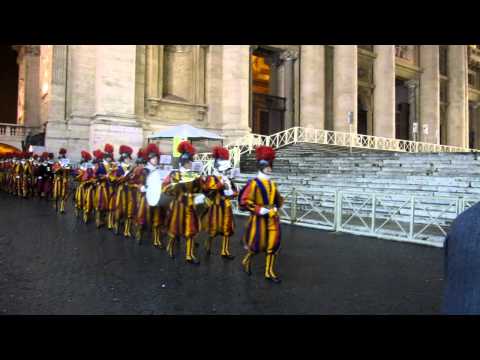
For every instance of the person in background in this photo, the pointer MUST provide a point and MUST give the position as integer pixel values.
(462, 265)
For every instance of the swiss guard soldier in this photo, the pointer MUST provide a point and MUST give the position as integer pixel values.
(185, 187)
(133, 187)
(90, 185)
(27, 174)
(61, 171)
(150, 214)
(219, 189)
(33, 181)
(136, 185)
(17, 172)
(156, 212)
(45, 175)
(121, 195)
(83, 174)
(11, 178)
(101, 188)
(111, 169)
(261, 198)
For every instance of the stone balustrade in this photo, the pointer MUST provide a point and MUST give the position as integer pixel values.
(13, 134)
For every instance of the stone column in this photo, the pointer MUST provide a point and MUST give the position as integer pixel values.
(236, 89)
(430, 94)
(312, 86)
(28, 61)
(384, 93)
(58, 91)
(345, 87)
(412, 86)
(457, 124)
(32, 86)
(115, 121)
(57, 128)
(289, 57)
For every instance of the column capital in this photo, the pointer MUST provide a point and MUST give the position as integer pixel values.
(289, 55)
(412, 83)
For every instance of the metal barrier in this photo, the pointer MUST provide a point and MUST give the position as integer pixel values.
(414, 219)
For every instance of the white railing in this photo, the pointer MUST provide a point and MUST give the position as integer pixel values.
(296, 135)
(13, 130)
(415, 219)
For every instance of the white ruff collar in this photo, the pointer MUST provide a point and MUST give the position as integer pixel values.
(151, 167)
(263, 176)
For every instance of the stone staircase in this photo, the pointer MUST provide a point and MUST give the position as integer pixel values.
(317, 172)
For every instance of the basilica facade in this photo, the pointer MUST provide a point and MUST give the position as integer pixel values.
(82, 96)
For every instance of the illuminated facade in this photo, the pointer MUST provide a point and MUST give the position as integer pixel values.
(86, 95)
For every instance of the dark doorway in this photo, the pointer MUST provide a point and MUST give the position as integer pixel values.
(268, 109)
(472, 126)
(362, 118)
(8, 84)
(402, 115)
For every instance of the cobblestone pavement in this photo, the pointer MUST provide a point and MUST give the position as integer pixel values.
(53, 264)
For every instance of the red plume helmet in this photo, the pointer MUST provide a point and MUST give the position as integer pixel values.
(186, 148)
(124, 149)
(220, 153)
(108, 149)
(265, 154)
(86, 155)
(141, 154)
(98, 154)
(152, 150)
(62, 151)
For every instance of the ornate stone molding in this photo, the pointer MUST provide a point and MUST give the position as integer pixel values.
(152, 107)
(33, 50)
(178, 48)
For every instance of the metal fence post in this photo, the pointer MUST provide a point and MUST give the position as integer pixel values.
(412, 217)
(293, 215)
(338, 210)
(374, 208)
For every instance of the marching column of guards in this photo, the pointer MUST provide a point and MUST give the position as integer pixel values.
(114, 194)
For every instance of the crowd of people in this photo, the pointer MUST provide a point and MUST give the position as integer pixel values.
(113, 194)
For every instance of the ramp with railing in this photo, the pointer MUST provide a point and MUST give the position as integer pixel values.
(387, 188)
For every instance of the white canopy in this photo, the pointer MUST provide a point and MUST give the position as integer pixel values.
(185, 132)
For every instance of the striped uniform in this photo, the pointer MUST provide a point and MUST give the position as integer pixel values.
(263, 232)
(182, 219)
(121, 196)
(218, 220)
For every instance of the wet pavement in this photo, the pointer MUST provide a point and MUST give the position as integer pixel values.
(53, 264)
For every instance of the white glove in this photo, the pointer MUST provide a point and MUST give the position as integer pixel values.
(264, 211)
(18, 177)
(143, 189)
(39, 178)
(228, 192)
(199, 199)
